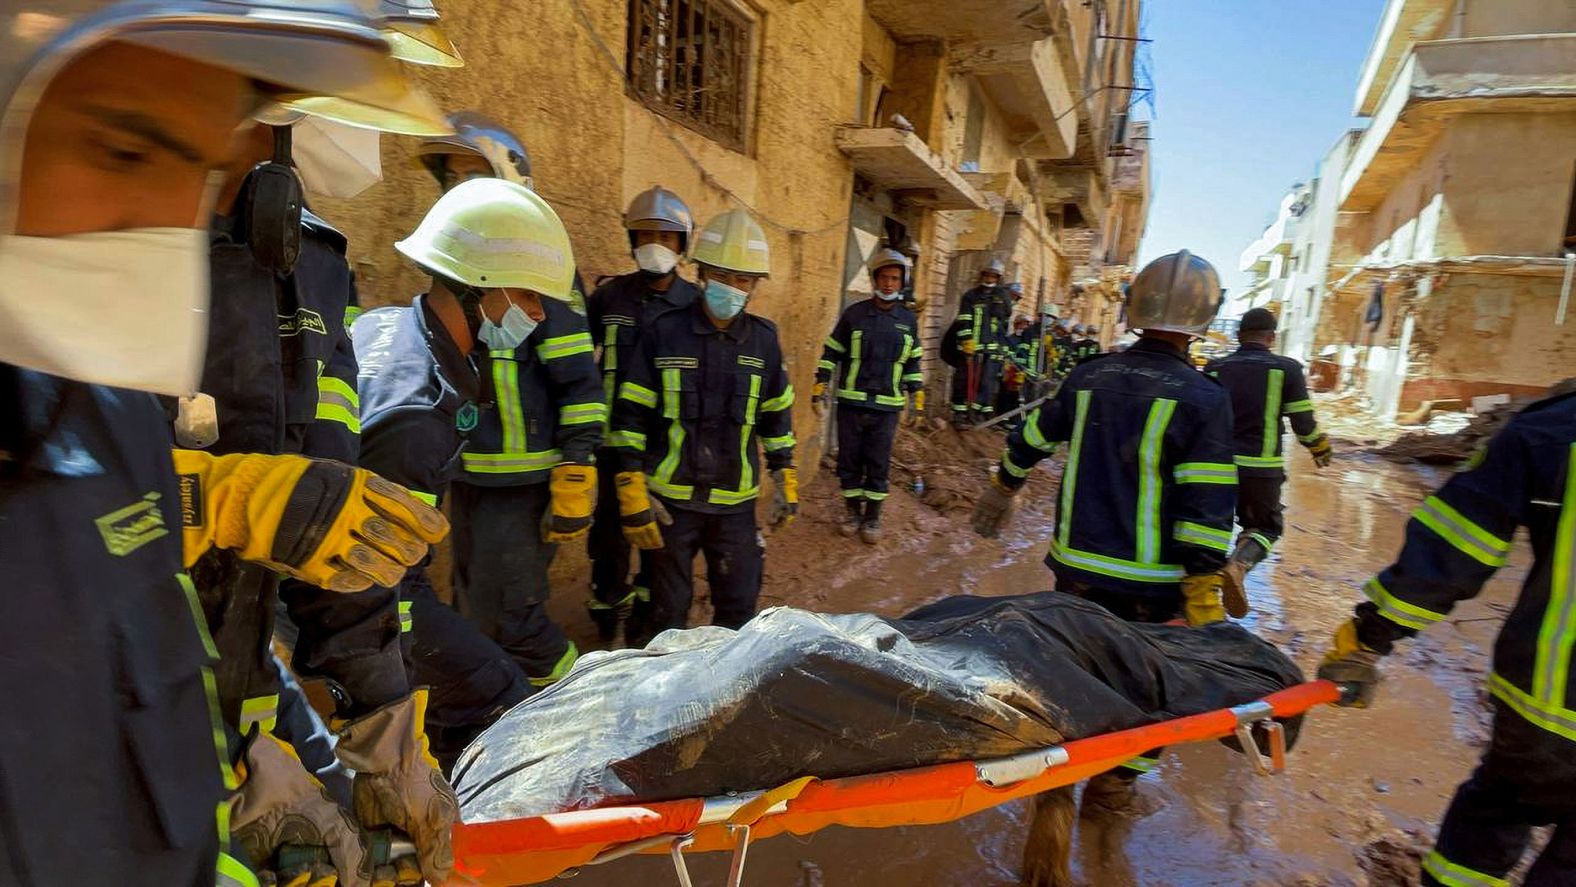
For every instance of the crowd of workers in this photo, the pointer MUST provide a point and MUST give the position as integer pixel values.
(303, 449)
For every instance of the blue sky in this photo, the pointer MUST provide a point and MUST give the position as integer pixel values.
(1249, 96)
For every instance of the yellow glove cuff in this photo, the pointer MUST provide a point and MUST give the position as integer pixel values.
(790, 482)
(919, 401)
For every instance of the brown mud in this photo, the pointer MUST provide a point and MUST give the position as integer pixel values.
(1363, 791)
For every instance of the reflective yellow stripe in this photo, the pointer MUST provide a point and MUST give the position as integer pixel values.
(1198, 534)
(1272, 414)
(1297, 406)
(1556, 719)
(230, 872)
(510, 463)
(1260, 461)
(351, 313)
(1551, 674)
(633, 440)
(1064, 513)
(672, 393)
(896, 394)
(1312, 436)
(780, 402)
(560, 668)
(560, 347)
(746, 431)
(338, 402)
(638, 394)
(661, 481)
(1398, 611)
(405, 619)
(511, 413)
(855, 359)
(1032, 434)
(1148, 523)
(1115, 567)
(260, 710)
(826, 365)
(1142, 764)
(428, 498)
(835, 345)
(773, 444)
(733, 497)
(1452, 875)
(582, 414)
(1462, 534)
(1012, 467)
(198, 619)
(1205, 473)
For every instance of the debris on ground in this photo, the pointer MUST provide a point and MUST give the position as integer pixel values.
(1452, 437)
(1394, 860)
(951, 462)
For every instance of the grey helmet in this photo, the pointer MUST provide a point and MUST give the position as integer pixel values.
(1094, 329)
(1178, 293)
(1079, 329)
(476, 133)
(313, 49)
(886, 257)
(996, 267)
(411, 28)
(658, 209)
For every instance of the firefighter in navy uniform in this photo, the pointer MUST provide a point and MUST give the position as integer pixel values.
(1143, 522)
(983, 316)
(529, 456)
(422, 374)
(659, 226)
(873, 356)
(116, 757)
(1455, 541)
(1267, 389)
(706, 390)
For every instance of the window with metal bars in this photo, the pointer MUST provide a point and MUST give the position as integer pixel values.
(689, 61)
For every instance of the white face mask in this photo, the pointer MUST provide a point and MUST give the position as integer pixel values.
(335, 159)
(885, 296)
(654, 258)
(127, 309)
(515, 328)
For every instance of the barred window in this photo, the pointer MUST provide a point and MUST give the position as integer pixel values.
(688, 60)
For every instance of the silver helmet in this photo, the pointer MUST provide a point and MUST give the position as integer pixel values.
(1178, 293)
(305, 49)
(658, 209)
(996, 267)
(476, 133)
(887, 257)
(411, 28)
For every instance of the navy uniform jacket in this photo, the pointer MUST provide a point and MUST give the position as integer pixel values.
(874, 354)
(110, 768)
(619, 310)
(1149, 490)
(548, 404)
(987, 318)
(282, 372)
(696, 400)
(1266, 389)
(1458, 538)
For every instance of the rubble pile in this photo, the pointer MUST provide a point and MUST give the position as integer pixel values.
(1444, 441)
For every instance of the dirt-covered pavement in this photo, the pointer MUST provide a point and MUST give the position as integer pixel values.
(1363, 790)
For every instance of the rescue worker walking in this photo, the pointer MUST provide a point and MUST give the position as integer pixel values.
(1143, 522)
(1266, 390)
(659, 225)
(103, 291)
(530, 477)
(1457, 539)
(871, 359)
(706, 389)
(983, 315)
(1085, 346)
(422, 382)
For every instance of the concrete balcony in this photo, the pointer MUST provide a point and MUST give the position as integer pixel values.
(900, 162)
(1444, 78)
(965, 21)
(1025, 81)
(1082, 186)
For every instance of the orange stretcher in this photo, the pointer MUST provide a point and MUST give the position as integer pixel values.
(539, 848)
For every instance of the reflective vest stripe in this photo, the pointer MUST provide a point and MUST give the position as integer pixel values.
(560, 347)
(1272, 412)
(1012, 467)
(773, 444)
(511, 413)
(1064, 513)
(1147, 523)
(835, 345)
(338, 402)
(638, 394)
(855, 359)
(406, 621)
(780, 402)
(1032, 434)
(662, 480)
(1202, 536)
(1205, 473)
(1260, 461)
(1462, 534)
(633, 440)
(1398, 611)
(1550, 679)
(510, 463)
(1115, 567)
(260, 710)
(1558, 720)
(428, 498)
(582, 414)
(1452, 874)
(1297, 406)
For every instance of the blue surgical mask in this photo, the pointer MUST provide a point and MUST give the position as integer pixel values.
(723, 301)
(507, 336)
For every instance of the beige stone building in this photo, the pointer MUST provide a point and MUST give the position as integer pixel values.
(1448, 254)
(965, 129)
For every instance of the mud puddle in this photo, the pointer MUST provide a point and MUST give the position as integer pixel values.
(1363, 791)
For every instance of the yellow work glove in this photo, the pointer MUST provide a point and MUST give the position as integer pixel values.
(398, 782)
(1352, 666)
(1320, 451)
(1202, 599)
(993, 508)
(968, 347)
(323, 522)
(282, 810)
(573, 488)
(818, 399)
(639, 512)
(785, 496)
(916, 407)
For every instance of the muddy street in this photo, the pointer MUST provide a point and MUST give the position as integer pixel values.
(1363, 790)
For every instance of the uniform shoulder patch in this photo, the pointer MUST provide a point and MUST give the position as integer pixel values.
(747, 360)
(127, 529)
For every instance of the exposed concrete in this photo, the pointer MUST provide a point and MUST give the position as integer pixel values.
(1025, 81)
(900, 161)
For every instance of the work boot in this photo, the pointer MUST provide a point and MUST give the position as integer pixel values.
(854, 518)
(1111, 797)
(870, 529)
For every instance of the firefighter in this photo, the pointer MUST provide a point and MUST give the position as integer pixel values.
(118, 766)
(1018, 373)
(532, 453)
(1085, 346)
(1266, 389)
(1062, 339)
(1457, 539)
(422, 374)
(873, 354)
(659, 225)
(706, 388)
(983, 315)
(1143, 523)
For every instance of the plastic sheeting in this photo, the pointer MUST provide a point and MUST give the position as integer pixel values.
(707, 711)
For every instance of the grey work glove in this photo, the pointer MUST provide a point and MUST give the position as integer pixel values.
(993, 509)
(398, 782)
(281, 805)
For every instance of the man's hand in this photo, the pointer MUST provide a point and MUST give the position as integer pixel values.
(785, 497)
(573, 490)
(1320, 451)
(916, 407)
(323, 522)
(968, 347)
(994, 508)
(281, 805)
(1352, 666)
(818, 399)
(1203, 600)
(639, 512)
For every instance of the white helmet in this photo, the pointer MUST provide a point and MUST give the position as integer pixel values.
(489, 234)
